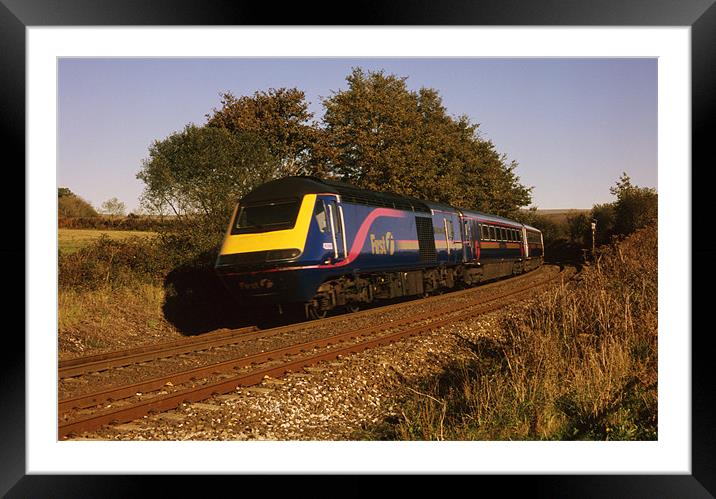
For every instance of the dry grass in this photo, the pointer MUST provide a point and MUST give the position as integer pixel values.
(580, 363)
(90, 321)
(71, 240)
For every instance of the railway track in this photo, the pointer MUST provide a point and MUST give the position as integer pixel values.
(96, 363)
(117, 404)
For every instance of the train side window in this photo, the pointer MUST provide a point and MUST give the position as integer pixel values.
(320, 215)
(502, 234)
(514, 234)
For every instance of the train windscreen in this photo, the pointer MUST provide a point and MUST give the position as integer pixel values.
(266, 217)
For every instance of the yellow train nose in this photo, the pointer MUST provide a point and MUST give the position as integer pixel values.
(279, 244)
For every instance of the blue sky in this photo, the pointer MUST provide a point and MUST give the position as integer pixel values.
(573, 125)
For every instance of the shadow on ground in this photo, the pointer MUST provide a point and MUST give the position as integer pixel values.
(196, 302)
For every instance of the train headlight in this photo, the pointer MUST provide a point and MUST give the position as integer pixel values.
(284, 254)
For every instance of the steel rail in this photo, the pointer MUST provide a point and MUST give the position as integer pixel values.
(77, 361)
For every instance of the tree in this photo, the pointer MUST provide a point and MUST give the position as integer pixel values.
(580, 229)
(604, 214)
(279, 117)
(114, 207)
(551, 231)
(635, 206)
(199, 173)
(71, 205)
(379, 135)
(64, 191)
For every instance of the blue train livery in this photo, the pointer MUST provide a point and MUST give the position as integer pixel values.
(328, 245)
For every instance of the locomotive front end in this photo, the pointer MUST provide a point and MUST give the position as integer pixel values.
(263, 244)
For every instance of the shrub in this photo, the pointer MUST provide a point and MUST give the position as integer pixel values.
(74, 206)
(636, 207)
(114, 263)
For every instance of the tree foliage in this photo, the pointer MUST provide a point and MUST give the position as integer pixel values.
(64, 191)
(378, 134)
(70, 205)
(635, 206)
(280, 117)
(114, 207)
(551, 230)
(605, 216)
(199, 173)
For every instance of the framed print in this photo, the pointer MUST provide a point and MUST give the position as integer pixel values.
(678, 37)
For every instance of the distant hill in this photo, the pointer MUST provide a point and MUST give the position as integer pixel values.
(561, 215)
(565, 211)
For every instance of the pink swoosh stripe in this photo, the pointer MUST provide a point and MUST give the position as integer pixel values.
(363, 232)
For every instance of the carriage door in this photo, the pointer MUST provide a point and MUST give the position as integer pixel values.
(450, 240)
(336, 226)
(467, 240)
(475, 241)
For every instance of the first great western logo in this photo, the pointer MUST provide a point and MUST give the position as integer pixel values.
(382, 245)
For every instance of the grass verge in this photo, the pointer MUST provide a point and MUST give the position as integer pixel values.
(91, 321)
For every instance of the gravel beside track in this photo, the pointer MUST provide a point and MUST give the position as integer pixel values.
(333, 400)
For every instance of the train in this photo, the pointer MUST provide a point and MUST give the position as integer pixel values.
(324, 246)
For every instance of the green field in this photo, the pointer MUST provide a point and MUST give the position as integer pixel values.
(71, 240)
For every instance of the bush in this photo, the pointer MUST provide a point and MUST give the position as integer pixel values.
(74, 206)
(636, 207)
(113, 263)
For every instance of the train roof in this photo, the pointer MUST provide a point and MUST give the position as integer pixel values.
(299, 186)
(291, 187)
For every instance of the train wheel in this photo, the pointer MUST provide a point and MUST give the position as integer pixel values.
(352, 307)
(312, 312)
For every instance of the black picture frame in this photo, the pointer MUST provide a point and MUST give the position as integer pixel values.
(16, 15)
